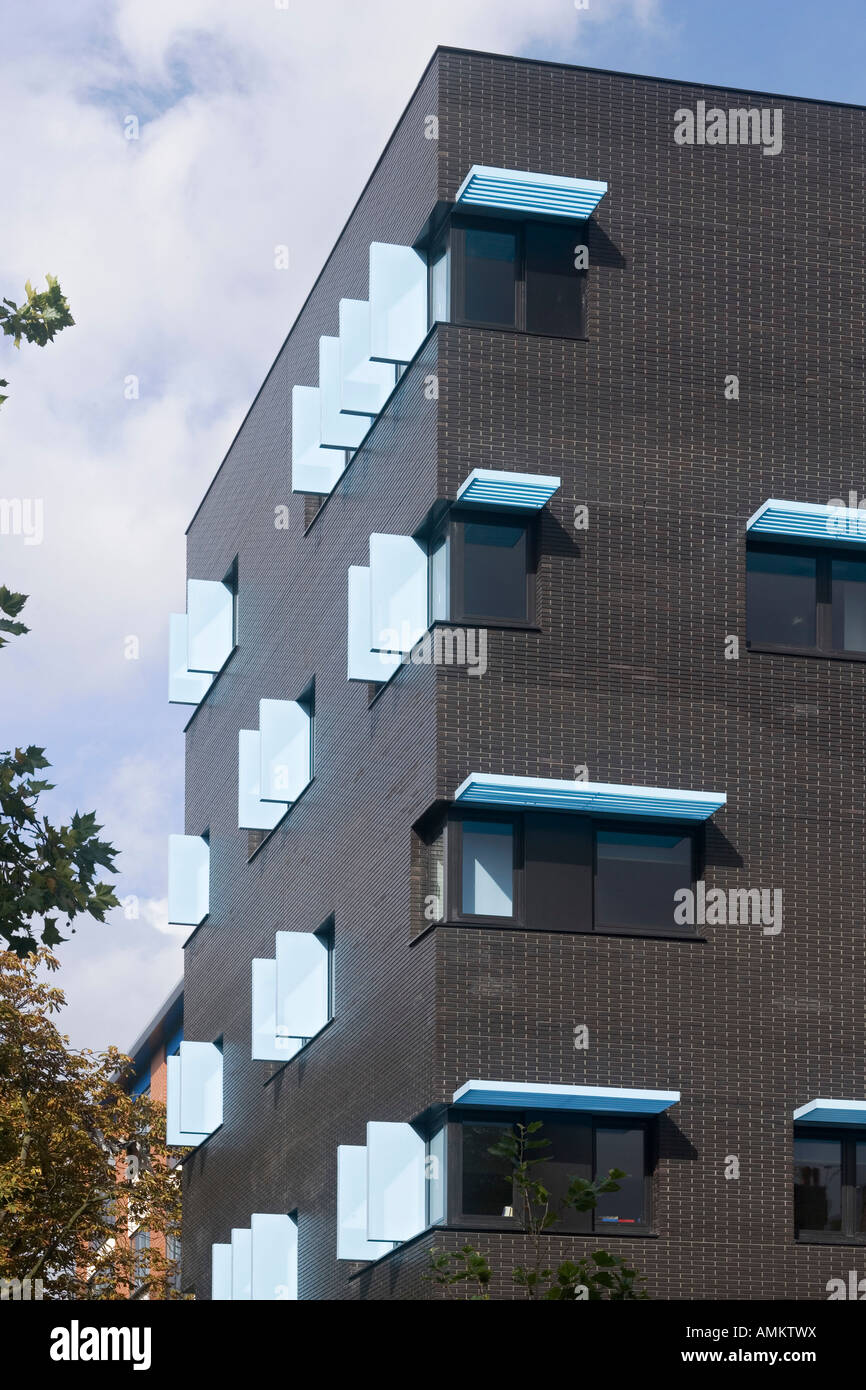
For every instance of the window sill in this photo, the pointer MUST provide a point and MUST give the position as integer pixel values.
(514, 329)
(772, 650)
(500, 624)
(280, 1067)
(830, 1238)
(508, 924)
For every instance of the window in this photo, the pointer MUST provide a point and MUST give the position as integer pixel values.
(830, 1185)
(806, 600)
(482, 571)
(511, 274)
(552, 871)
(173, 1253)
(578, 1146)
(637, 873)
(141, 1266)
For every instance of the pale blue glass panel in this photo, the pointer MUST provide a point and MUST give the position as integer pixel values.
(352, 1242)
(436, 1173)
(336, 430)
(188, 879)
(285, 731)
(266, 1046)
(303, 971)
(364, 385)
(364, 664)
(221, 1272)
(314, 469)
(398, 592)
(242, 1263)
(185, 687)
(440, 582)
(488, 869)
(440, 289)
(396, 1196)
(398, 302)
(274, 1257)
(174, 1135)
(201, 1087)
(253, 813)
(210, 624)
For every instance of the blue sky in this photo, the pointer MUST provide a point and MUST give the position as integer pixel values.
(165, 247)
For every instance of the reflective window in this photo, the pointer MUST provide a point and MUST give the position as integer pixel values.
(488, 1188)
(637, 876)
(490, 271)
(621, 1146)
(849, 605)
(488, 869)
(781, 594)
(494, 571)
(554, 288)
(818, 1184)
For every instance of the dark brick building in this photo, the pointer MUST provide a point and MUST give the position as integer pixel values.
(709, 358)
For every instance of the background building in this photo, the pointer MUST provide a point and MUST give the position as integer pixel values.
(439, 896)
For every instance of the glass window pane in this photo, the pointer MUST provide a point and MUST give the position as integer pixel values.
(818, 1184)
(488, 869)
(440, 289)
(637, 875)
(494, 571)
(860, 1186)
(554, 289)
(487, 1180)
(440, 601)
(781, 597)
(490, 271)
(849, 605)
(621, 1146)
(435, 1176)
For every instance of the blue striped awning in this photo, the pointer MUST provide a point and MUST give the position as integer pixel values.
(599, 1100)
(599, 798)
(808, 521)
(543, 195)
(489, 487)
(831, 1112)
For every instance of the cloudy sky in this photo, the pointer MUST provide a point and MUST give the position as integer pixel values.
(164, 245)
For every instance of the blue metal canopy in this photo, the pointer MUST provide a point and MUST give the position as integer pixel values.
(527, 1095)
(831, 1112)
(808, 521)
(599, 798)
(544, 195)
(490, 487)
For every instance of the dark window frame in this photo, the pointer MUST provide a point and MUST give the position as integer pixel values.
(454, 866)
(523, 917)
(823, 555)
(453, 530)
(454, 241)
(688, 829)
(848, 1138)
(459, 1219)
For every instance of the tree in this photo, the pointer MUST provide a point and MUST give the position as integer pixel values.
(48, 873)
(597, 1276)
(81, 1161)
(43, 314)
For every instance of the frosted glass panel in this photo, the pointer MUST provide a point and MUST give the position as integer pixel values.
(488, 869)
(201, 1087)
(266, 1046)
(352, 1242)
(242, 1264)
(396, 1198)
(337, 431)
(253, 813)
(364, 664)
(174, 1135)
(188, 879)
(314, 469)
(284, 726)
(398, 302)
(185, 687)
(398, 592)
(221, 1272)
(302, 984)
(210, 610)
(274, 1257)
(364, 385)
